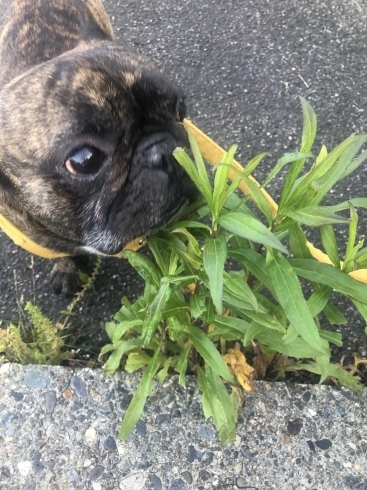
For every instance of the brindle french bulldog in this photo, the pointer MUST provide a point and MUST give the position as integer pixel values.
(87, 130)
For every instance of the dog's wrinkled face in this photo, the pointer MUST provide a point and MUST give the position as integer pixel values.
(87, 141)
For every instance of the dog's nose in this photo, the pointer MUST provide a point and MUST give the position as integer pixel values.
(159, 154)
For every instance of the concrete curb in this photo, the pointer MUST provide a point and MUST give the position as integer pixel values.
(58, 430)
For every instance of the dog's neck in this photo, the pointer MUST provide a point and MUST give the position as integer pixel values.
(47, 28)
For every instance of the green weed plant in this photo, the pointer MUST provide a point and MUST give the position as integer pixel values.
(193, 308)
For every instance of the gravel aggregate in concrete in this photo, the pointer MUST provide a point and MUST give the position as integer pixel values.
(288, 436)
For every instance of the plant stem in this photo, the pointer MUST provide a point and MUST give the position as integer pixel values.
(163, 336)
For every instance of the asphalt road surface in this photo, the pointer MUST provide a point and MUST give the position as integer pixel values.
(242, 65)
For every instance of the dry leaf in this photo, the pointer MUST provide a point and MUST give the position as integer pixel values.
(261, 362)
(237, 364)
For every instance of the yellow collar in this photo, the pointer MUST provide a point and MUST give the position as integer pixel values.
(213, 153)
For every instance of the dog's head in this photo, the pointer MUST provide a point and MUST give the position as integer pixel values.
(86, 143)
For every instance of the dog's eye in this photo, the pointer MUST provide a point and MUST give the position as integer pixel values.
(85, 161)
(181, 110)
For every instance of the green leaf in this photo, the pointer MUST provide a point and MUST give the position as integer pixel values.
(318, 300)
(136, 360)
(259, 198)
(193, 245)
(334, 316)
(202, 184)
(308, 137)
(218, 404)
(214, 257)
(158, 254)
(181, 365)
(187, 224)
(298, 242)
(264, 319)
(339, 170)
(110, 329)
(359, 202)
(84, 278)
(162, 374)
(255, 263)
(300, 186)
(361, 262)
(309, 125)
(253, 163)
(121, 348)
(350, 251)
(232, 325)
(288, 158)
(208, 352)
(299, 349)
(220, 180)
(252, 332)
(344, 378)
(154, 313)
(250, 228)
(124, 326)
(178, 282)
(290, 336)
(290, 296)
(323, 363)
(333, 337)
(174, 307)
(136, 407)
(330, 245)
(197, 305)
(145, 267)
(331, 276)
(322, 155)
(361, 307)
(238, 286)
(315, 216)
(200, 166)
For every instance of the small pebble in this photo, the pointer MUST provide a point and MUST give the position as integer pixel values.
(324, 444)
(204, 475)
(133, 482)
(110, 444)
(311, 445)
(36, 379)
(207, 433)
(79, 387)
(155, 482)
(188, 477)
(141, 428)
(163, 419)
(294, 427)
(177, 484)
(351, 481)
(76, 406)
(241, 482)
(67, 394)
(30, 485)
(155, 438)
(50, 401)
(306, 396)
(90, 435)
(24, 467)
(191, 454)
(16, 395)
(73, 476)
(96, 473)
